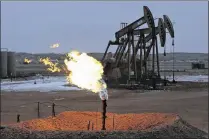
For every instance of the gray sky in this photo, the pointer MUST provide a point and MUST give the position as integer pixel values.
(88, 26)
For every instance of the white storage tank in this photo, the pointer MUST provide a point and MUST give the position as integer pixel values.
(3, 64)
(11, 64)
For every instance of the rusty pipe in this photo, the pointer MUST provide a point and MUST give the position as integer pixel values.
(104, 106)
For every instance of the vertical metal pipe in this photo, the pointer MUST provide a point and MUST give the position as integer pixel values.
(165, 82)
(129, 47)
(173, 60)
(104, 106)
(134, 57)
(141, 45)
(153, 65)
(157, 58)
(153, 59)
(144, 62)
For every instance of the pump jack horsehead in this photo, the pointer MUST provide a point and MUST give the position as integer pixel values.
(127, 49)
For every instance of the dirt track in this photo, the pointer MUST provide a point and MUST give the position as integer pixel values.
(191, 105)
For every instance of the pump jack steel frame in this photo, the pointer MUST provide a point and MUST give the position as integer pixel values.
(128, 50)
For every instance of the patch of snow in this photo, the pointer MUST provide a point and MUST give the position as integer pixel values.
(200, 78)
(42, 85)
(59, 99)
(58, 83)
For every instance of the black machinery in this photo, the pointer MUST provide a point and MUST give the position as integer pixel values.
(128, 65)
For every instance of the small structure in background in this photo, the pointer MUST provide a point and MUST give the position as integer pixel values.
(4, 62)
(8, 63)
(198, 65)
(11, 64)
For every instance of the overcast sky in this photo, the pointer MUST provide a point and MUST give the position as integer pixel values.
(88, 26)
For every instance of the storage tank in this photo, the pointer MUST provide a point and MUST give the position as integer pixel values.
(3, 64)
(11, 64)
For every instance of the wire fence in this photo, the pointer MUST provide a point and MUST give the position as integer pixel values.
(34, 110)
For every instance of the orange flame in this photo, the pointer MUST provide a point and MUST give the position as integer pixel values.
(52, 66)
(85, 71)
(27, 61)
(55, 45)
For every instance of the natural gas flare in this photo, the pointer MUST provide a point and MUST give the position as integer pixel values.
(52, 66)
(83, 71)
(55, 45)
(86, 72)
(26, 60)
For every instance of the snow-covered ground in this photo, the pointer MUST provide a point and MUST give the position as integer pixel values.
(200, 78)
(42, 85)
(58, 83)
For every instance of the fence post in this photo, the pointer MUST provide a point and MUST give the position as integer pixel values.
(88, 126)
(11, 77)
(92, 126)
(38, 110)
(18, 118)
(113, 122)
(53, 110)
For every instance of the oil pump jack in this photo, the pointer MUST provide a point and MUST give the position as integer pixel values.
(134, 72)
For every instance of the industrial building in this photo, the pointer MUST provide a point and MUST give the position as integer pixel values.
(8, 63)
(12, 66)
(199, 65)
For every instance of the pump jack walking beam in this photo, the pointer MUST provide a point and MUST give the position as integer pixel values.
(147, 18)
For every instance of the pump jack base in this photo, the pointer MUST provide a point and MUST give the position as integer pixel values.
(174, 81)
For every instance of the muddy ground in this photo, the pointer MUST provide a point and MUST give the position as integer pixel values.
(188, 100)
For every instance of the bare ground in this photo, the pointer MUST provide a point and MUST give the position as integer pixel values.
(178, 130)
(190, 102)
